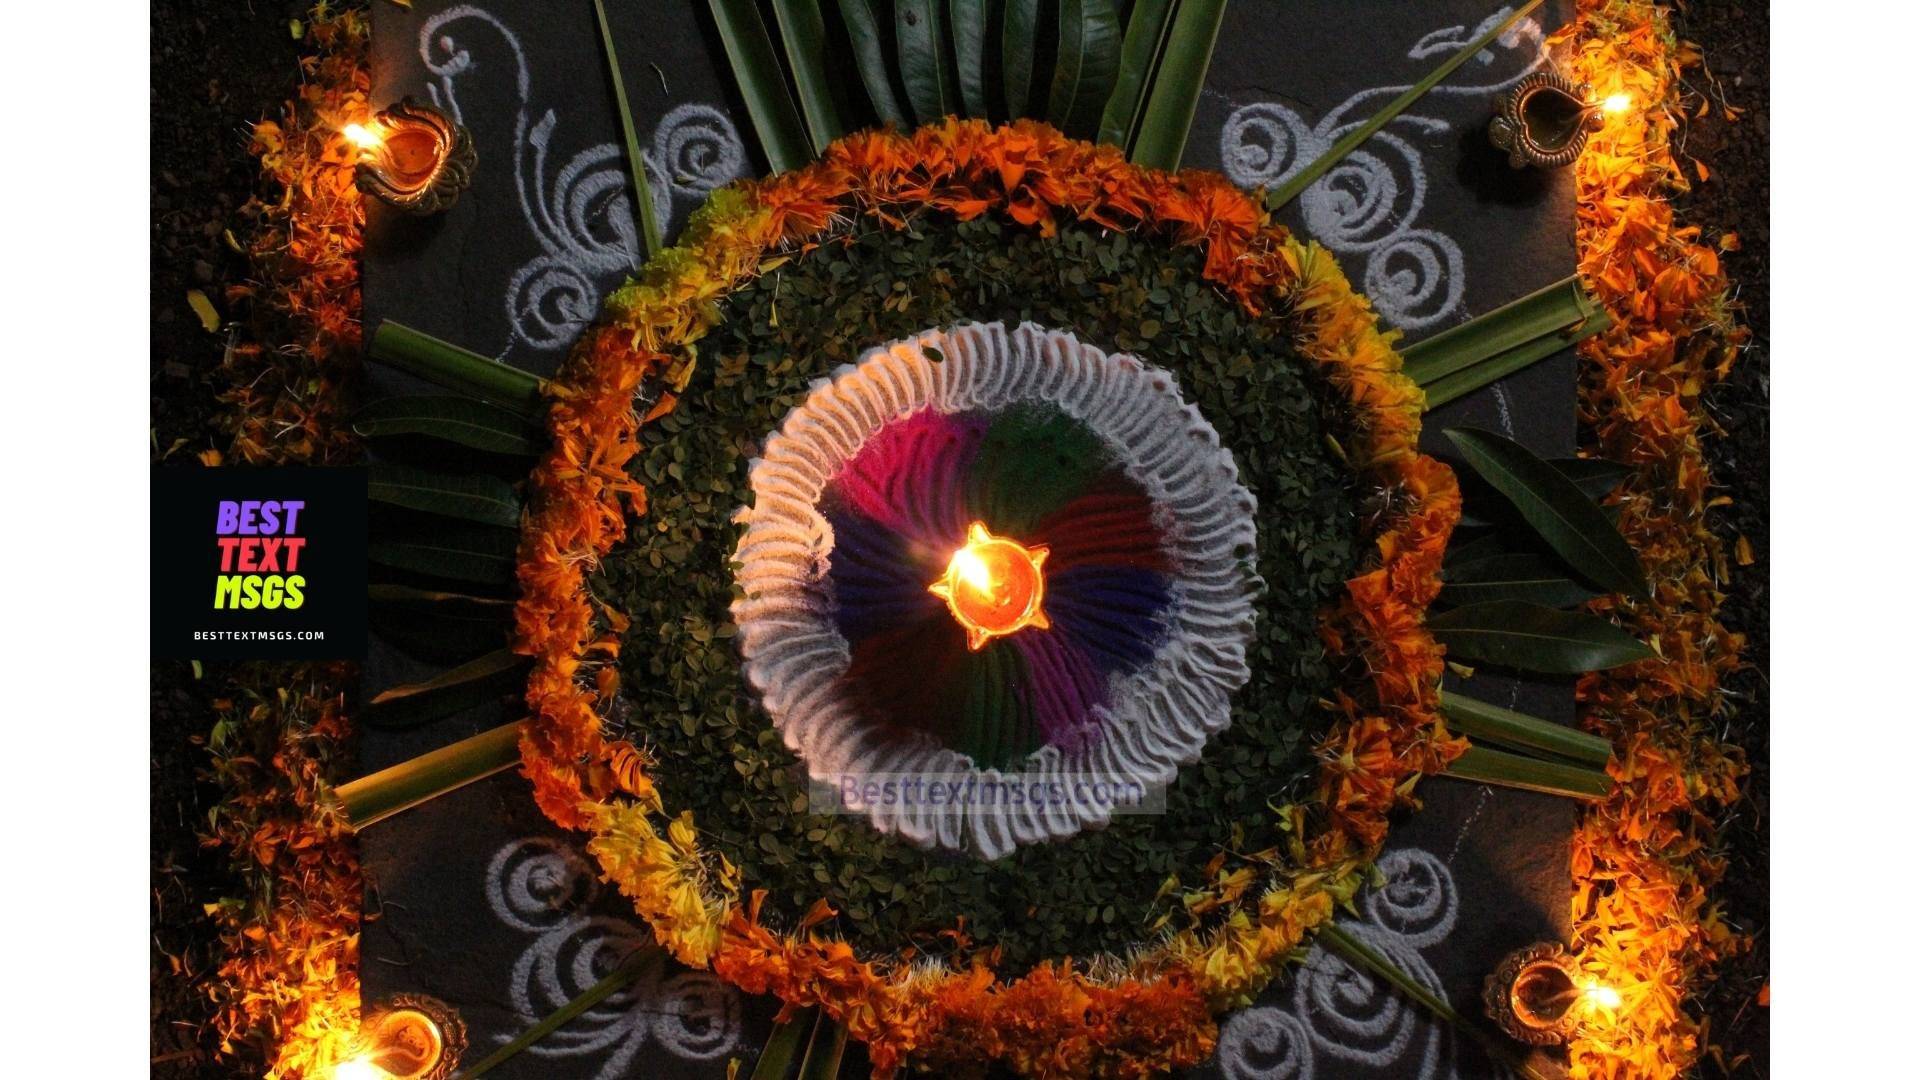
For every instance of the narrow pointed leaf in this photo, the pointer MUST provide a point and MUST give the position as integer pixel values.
(461, 420)
(1485, 766)
(756, 68)
(1556, 508)
(1088, 62)
(926, 67)
(1595, 476)
(803, 33)
(473, 683)
(776, 1060)
(636, 158)
(1350, 142)
(1140, 54)
(1019, 37)
(1532, 578)
(1487, 372)
(970, 35)
(630, 968)
(1542, 313)
(1527, 734)
(488, 500)
(378, 796)
(407, 594)
(1175, 93)
(871, 55)
(824, 1050)
(1534, 638)
(464, 553)
(455, 368)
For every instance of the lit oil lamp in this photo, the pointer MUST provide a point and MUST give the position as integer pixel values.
(413, 156)
(1537, 995)
(993, 586)
(408, 1037)
(1546, 119)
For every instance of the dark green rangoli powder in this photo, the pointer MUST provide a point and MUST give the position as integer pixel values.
(719, 754)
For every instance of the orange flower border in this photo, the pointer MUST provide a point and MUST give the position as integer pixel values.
(1138, 1016)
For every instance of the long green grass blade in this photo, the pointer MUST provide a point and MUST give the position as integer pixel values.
(756, 67)
(970, 24)
(803, 33)
(463, 421)
(1175, 93)
(870, 55)
(1490, 371)
(379, 796)
(464, 553)
(1019, 37)
(473, 683)
(776, 1059)
(1485, 766)
(476, 497)
(1529, 637)
(1088, 62)
(1550, 312)
(1352, 140)
(630, 968)
(1139, 59)
(1484, 720)
(824, 1050)
(455, 368)
(926, 67)
(636, 160)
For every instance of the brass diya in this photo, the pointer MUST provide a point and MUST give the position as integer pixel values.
(414, 1037)
(1533, 993)
(415, 157)
(1544, 121)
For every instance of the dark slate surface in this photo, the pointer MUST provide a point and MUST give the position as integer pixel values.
(478, 900)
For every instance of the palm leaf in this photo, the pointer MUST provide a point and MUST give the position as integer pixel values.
(1139, 59)
(1088, 62)
(1515, 634)
(1517, 576)
(1555, 507)
(803, 32)
(464, 421)
(1483, 720)
(456, 690)
(488, 500)
(925, 65)
(1351, 141)
(636, 159)
(453, 367)
(970, 22)
(1485, 766)
(1175, 94)
(378, 796)
(1019, 35)
(463, 553)
(870, 54)
(756, 68)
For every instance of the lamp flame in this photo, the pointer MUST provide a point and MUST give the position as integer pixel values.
(359, 1068)
(1617, 104)
(361, 136)
(1605, 997)
(993, 586)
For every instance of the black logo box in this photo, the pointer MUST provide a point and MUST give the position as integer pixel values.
(186, 565)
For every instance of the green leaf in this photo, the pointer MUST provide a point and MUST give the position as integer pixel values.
(756, 68)
(1483, 720)
(464, 553)
(1485, 766)
(456, 690)
(455, 368)
(970, 22)
(461, 420)
(1461, 359)
(488, 500)
(1512, 577)
(1088, 62)
(824, 1050)
(1534, 638)
(1019, 36)
(407, 594)
(1557, 509)
(1140, 55)
(630, 968)
(1595, 476)
(1177, 83)
(925, 65)
(636, 159)
(776, 1060)
(379, 796)
(870, 54)
(803, 32)
(1351, 141)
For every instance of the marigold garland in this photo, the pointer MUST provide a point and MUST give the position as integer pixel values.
(1645, 858)
(1152, 1011)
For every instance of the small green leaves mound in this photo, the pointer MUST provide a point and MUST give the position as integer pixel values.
(718, 753)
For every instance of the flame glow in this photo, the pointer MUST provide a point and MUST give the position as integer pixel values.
(361, 136)
(359, 1068)
(1617, 104)
(1605, 997)
(993, 586)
